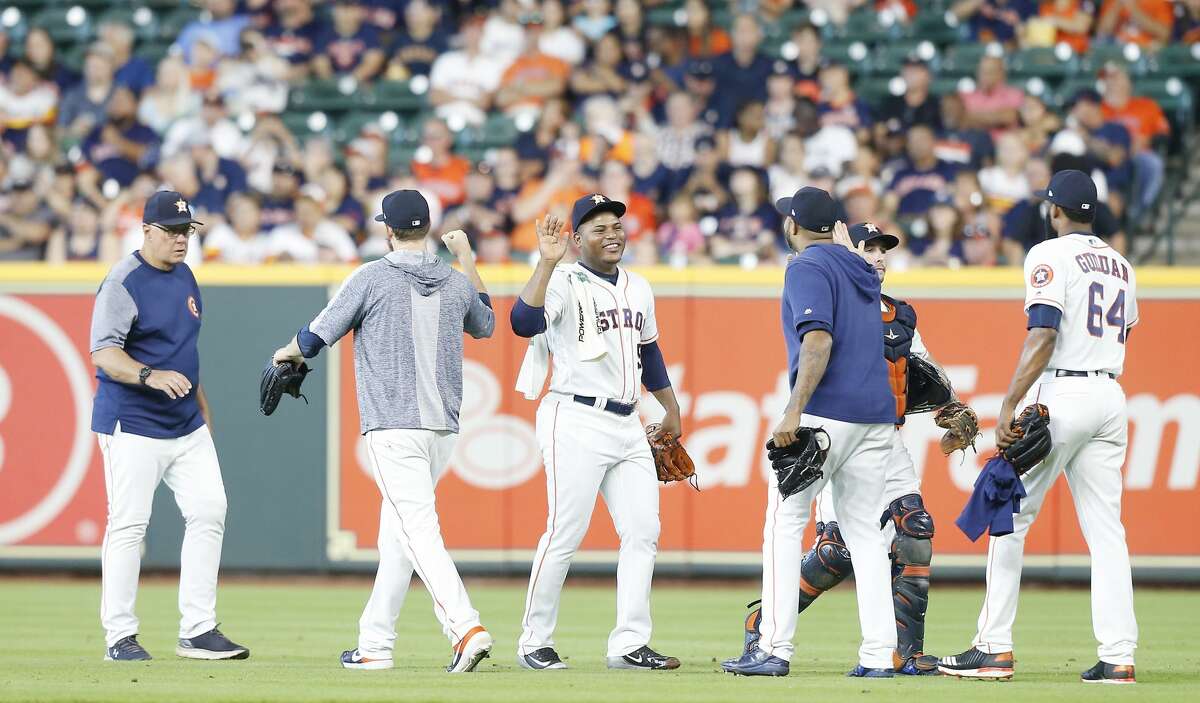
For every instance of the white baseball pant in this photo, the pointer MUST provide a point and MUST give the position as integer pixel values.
(588, 451)
(1089, 428)
(901, 480)
(858, 454)
(133, 468)
(407, 465)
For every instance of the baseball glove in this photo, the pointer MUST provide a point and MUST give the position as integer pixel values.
(798, 465)
(961, 425)
(278, 379)
(1033, 428)
(670, 458)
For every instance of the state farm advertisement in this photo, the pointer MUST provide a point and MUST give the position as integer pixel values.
(726, 359)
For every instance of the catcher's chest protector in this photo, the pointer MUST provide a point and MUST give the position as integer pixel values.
(899, 327)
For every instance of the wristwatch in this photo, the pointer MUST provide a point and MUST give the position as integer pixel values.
(144, 374)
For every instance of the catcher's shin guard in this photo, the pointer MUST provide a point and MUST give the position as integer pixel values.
(825, 565)
(912, 550)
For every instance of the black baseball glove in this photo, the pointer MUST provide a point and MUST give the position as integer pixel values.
(798, 465)
(1033, 428)
(278, 379)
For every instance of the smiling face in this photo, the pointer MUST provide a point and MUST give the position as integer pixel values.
(601, 241)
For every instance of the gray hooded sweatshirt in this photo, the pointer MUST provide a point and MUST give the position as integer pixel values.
(408, 311)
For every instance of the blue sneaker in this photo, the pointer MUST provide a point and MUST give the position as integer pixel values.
(919, 665)
(757, 663)
(862, 672)
(127, 649)
(211, 645)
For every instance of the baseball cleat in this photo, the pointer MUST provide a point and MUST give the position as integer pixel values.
(1104, 672)
(643, 659)
(353, 659)
(919, 665)
(540, 659)
(127, 649)
(473, 648)
(750, 634)
(862, 672)
(211, 645)
(974, 664)
(757, 663)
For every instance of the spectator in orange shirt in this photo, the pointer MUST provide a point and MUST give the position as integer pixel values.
(554, 194)
(1141, 22)
(1070, 20)
(705, 40)
(533, 78)
(436, 167)
(639, 220)
(1145, 121)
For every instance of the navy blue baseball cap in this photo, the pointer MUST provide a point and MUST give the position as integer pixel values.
(591, 204)
(167, 208)
(812, 208)
(404, 209)
(1071, 189)
(869, 232)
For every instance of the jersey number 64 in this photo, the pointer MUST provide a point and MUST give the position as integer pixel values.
(1115, 316)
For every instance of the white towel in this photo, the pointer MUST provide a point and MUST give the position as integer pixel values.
(536, 363)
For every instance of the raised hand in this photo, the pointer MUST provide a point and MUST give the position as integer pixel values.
(841, 235)
(552, 244)
(458, 244)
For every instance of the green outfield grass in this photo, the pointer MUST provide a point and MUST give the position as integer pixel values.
(51, 648)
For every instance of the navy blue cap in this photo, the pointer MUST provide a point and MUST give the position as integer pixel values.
(869, 232)
(1113, 133)
(168, 209)
(701, 69)
(589, 205)
(404, 209)
(1071, 189)
(812, 208)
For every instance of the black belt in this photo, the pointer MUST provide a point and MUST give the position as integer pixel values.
(1067, 372)
(610, 406)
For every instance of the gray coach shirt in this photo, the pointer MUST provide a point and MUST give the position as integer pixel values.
(408, 311)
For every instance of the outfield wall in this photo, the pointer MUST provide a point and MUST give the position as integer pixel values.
(300, 498)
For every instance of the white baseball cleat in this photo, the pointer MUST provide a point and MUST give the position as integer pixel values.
(353, 659)
(473, 648)
(541, 659)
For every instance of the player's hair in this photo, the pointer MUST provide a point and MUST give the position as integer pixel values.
(1077, 215)
(408, 234)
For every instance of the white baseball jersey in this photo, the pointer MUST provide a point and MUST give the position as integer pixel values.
(626, 320)
(1095, 289)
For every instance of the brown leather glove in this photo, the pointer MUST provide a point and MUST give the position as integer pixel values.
(670, 458)
(961, 425)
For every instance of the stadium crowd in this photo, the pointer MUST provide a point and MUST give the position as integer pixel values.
(696, 123)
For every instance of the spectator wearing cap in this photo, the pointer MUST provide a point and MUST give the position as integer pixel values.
(462, 83)
(313, 238)
(533, 77)
(742, 71)
(1146, 123)
(1026, 224)
(700, 81)
(839, 105)
(349, 46)
(704, 39)
(292, 35)
(418, 43)
(920, 179)
(1060, 21)
(596, 20)
(41, 55)
(780, 108)
(807, 68)
(25, 100)
(503, 32)
(170, 99)
(1110, 144)
(959, 143)
(994, 20)
(1186, 29)
(1005, 183)
(221, 24)
(994, 104)
(1141, 22)
(639, 219)
(555, 194)
(212, 121)
(601, 75)
(26, 222)
(83, 105)
(121, 146)
(747, 143)
(241, 239)
(439, 169)
(828, 147)
(132, 71)
(916, 105)
(279, 204)
(556, 38)
(747, 225)
(788, 175)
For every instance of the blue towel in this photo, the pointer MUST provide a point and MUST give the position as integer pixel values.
(997, 496)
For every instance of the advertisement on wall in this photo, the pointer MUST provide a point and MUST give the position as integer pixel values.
(726, 360)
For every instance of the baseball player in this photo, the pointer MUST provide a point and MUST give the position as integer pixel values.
(152, 421)
(598, 323)
(408, 311)
(909, 527)
(839, 380)
(1080, 298)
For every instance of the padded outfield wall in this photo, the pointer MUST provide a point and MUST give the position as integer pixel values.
(301, 499)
